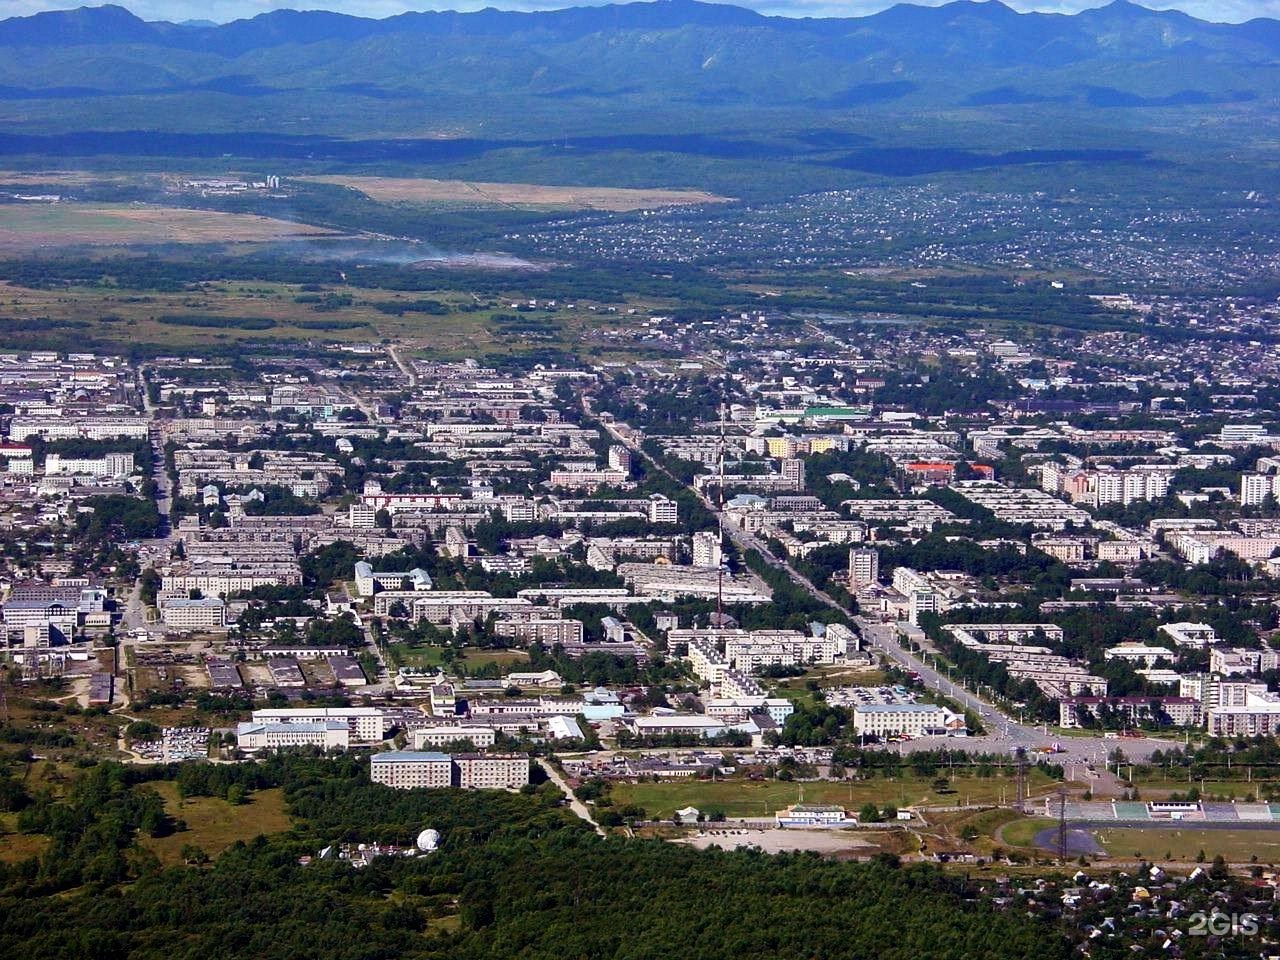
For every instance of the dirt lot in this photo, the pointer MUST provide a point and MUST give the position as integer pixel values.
(778, 841)
(33, 226)
(532, 195)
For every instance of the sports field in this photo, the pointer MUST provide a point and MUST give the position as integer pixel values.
(750, 798)
(532, 196)
(1164, 843)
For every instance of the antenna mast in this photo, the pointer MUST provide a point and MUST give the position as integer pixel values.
(1020, 772)
(1062, 825)
(720, 523)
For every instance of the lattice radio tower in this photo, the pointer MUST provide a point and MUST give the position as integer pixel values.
(720, 523)
(1062, 825)
(1020, 775)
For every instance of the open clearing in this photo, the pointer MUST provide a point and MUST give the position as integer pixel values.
(533, 196)
(26, 227)
(213, 824)
(780, 841)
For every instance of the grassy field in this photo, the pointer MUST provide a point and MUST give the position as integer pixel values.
(230, 312)
(527, 196)
(213, 824)
(748, 798)
(1237, 846)
(1158, 789)
(473, 657)
(27, 227)
(18, 846)
(509, 659)
(1022, 833)
(417, 657)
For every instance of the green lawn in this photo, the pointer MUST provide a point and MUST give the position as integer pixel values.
(1021, 833)
(418, 657)
(1239, 789)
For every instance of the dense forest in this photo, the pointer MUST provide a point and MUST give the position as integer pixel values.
(516, 875)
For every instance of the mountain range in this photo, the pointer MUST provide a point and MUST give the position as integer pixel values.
(989, 30)
(965, 75)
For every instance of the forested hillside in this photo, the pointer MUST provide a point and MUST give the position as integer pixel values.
(516, 876)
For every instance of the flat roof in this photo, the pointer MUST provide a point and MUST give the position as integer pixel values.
(411, 756)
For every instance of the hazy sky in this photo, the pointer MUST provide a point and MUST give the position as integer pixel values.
(222, 10)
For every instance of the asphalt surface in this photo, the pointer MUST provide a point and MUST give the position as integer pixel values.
(1004, 734)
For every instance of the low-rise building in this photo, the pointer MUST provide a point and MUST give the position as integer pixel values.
(254, 736)
(810, 815)
(907, 719)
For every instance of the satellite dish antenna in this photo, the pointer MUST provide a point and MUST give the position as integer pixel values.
(428, 840)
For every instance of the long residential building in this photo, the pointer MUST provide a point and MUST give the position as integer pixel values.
(410, 769)
(1174, 711)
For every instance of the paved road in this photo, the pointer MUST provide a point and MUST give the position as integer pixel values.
(1003, 732)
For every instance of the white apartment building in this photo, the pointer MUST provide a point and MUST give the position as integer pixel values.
(707, 661)
(409, 769)
(662, 510)
(190, 614)
(491, 771)
(588, 479)
(481, 737)
(1140, 653)
(91, 428)
(1196, 635)
(547, 632)
(1235, 661)
(864, 567)
(707, 550)
(620, 459)
(111, 465)
(1179, 711)
(780, 648)
(1257, 716)
(1256, 487)
(362, 517)
(225, 583)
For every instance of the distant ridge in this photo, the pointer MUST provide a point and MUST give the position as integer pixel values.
(953, 28)
(992, 76)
